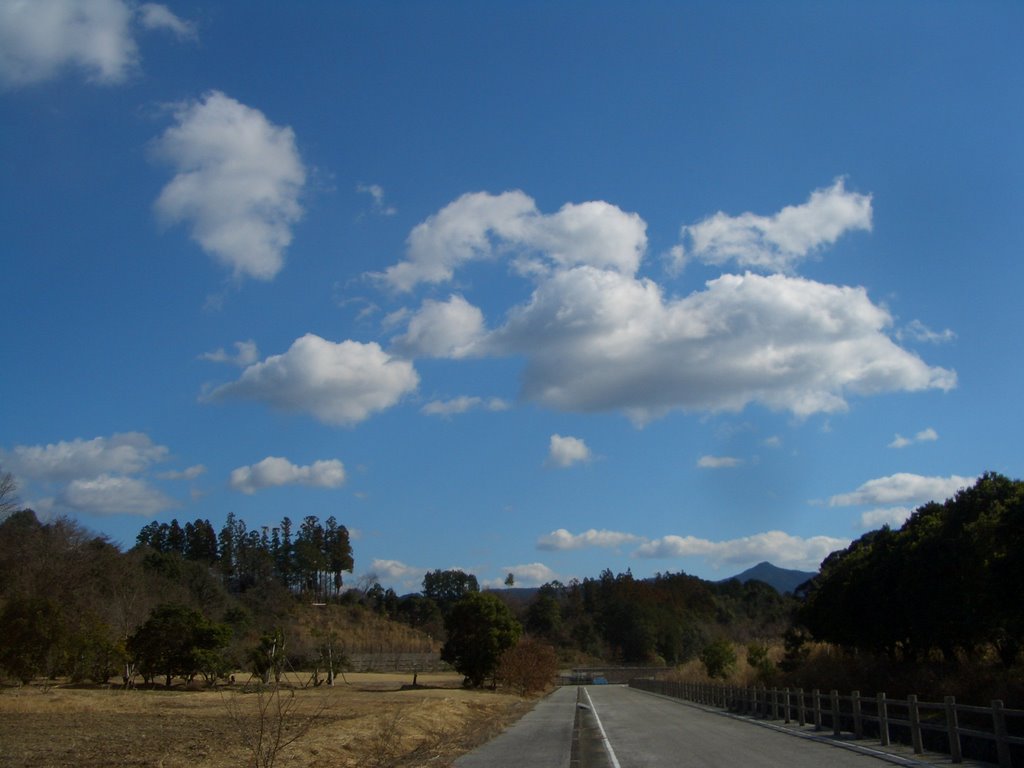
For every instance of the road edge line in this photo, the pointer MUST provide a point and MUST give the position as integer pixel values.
(600, 727)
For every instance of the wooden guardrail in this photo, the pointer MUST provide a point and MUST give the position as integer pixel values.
(948, 727)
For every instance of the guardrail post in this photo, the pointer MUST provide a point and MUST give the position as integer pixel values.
(858, 726)
(801, 709)
(816, 699)
(883, 720)
(954, 730)
(785, 705)
(836, 726)
(1002, 742)
(915, 724)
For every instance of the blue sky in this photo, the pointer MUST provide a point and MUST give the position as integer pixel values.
(539, 288)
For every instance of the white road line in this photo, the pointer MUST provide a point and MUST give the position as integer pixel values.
(604, 736)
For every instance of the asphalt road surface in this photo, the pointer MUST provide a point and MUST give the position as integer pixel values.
(618, 727)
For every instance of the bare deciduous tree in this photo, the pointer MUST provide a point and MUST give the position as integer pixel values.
(8, 494)
(269, 720)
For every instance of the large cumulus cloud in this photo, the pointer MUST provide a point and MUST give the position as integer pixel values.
(597, 335)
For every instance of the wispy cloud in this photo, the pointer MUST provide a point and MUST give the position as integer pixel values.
(561, 539)
(246, 353)
(924, 436)
(156, 16)
(918, 331)
(189, 473)
(463, 404)
(718, 462)
(380, 206)
(903, 488)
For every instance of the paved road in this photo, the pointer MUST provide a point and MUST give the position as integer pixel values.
(645, 731)
(543, 737)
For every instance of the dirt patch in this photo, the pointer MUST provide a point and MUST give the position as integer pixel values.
(367, 721)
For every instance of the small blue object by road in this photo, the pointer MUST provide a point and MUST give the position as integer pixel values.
(600, 681)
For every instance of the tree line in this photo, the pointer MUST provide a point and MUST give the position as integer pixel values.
(189, 600)
(184, 601)
(947, 582)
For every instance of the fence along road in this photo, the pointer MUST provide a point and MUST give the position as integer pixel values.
(627, 728)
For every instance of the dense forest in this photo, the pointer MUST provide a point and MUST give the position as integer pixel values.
(189, 601)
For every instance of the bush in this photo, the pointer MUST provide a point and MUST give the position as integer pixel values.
(528, 666)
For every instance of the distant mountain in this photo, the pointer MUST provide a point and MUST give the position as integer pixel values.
(782, 579)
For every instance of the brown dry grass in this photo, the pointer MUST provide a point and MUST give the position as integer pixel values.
(367, 721)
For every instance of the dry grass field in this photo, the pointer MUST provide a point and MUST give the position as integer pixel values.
(366, 720)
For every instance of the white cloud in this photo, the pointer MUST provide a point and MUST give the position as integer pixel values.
(778, 242)
(121, 453)
(442, 329)
(246, 353)
(891, 516)
(156, 16)
(924, 436)
(114, 495)
(40, 38)
(903, 488)
(718, 462)
(275, 471)
(483, 226)
(237, 183)
(395, 570)
(376, 191)
(95, 476)
(566, 451)
(339, 383)
(462, 405)
(596, 337)
(598, 340)
(918, 331)
(527, 575)
(562, 539)
(778, 547)
(189, 473)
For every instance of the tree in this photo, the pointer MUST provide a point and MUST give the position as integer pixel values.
(448, 587)
(718, 658)
(480, 628)
(31, 629)
(175, 641)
